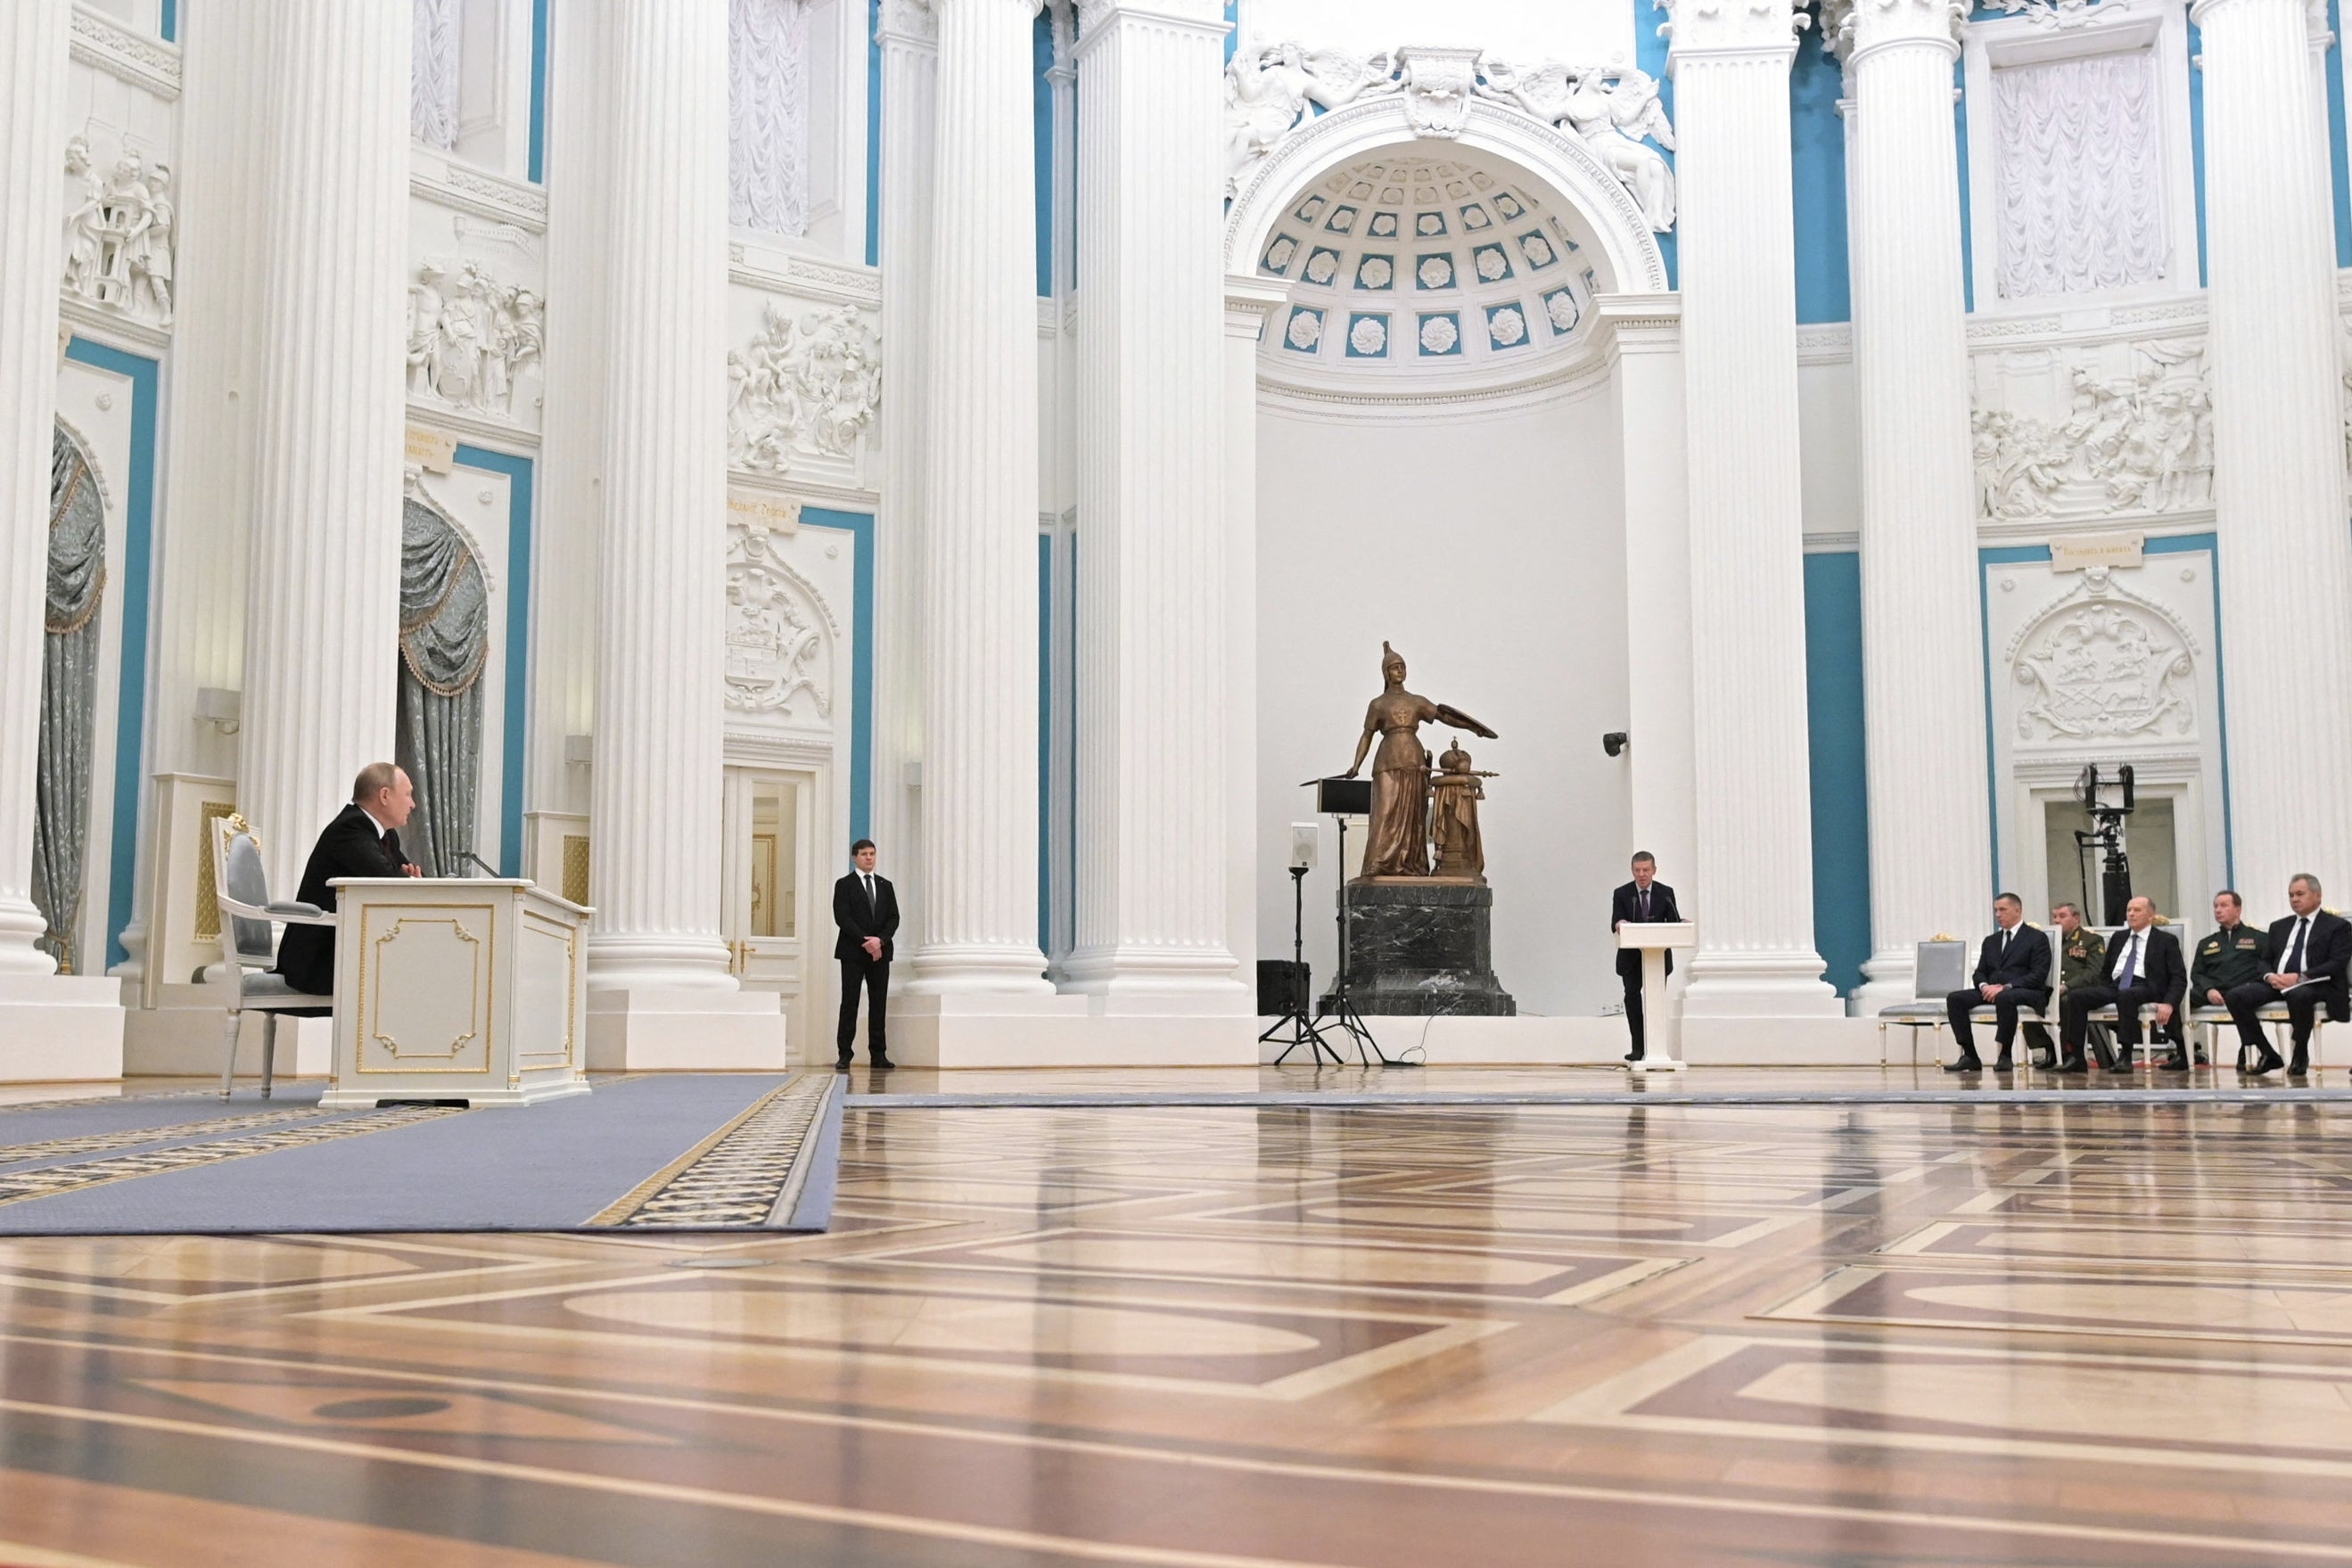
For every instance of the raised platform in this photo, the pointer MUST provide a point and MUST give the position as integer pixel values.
(60, 1028)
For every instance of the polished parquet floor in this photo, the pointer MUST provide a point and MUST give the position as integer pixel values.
(1391, 1337)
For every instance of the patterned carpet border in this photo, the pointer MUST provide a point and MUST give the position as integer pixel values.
(49, 1181)
(1341, 1100)
(55, 1149)
(745, 1175)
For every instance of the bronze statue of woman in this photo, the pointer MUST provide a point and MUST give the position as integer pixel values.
(1399, 825)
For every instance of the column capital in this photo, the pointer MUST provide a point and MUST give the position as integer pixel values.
(1208, 13)
(2314, 11)
(1853, 29)
(913, 22)
(1740, 27)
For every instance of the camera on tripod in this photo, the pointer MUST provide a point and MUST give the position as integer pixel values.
(2108, 801)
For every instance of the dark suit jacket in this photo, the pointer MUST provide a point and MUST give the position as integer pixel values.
(1625, 904)
(858, 922)
(2326, 957)
(2160, 965)
(349, 847)
(2027, 963)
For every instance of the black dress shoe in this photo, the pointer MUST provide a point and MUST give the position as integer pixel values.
(2073, 1065)
(2267, 1062)
(841, 1063)
(1965, 1064)
(2300, 1066)
(1633, 1056)
(2176, 1062)
(883, 1064)
(2004, 1064)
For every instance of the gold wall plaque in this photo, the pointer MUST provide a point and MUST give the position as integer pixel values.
(576, 868)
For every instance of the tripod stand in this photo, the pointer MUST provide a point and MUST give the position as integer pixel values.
(1342, 1011)
(1293, 1017)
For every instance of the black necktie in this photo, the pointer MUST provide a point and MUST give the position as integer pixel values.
(2294, 954)
(867, 878)
(2004, 942)
(1645, 895)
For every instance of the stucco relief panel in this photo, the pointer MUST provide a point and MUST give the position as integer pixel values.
(784, 639)
(2093, 430)
(803, 391)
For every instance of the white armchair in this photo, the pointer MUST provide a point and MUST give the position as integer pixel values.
(241, 886)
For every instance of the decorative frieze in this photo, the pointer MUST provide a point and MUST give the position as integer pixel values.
(119, 230)
(2138, 442)
(470, 335)
(1615, 110)
(808, 383)
(98, 40)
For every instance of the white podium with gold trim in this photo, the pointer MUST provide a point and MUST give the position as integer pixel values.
(451, 989)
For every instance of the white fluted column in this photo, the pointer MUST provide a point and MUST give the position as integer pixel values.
(32, 218)
(2278, 450)
(1152, 886)
(908, 36)
(1930, 858)
(979, 488)
(661, 591)
(322, 591)
(1752, 897)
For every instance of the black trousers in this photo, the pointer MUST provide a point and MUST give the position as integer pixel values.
(2245, 1001)
(2004, 1013)
(2074, 1019)
(1633, 983)
(872, 974)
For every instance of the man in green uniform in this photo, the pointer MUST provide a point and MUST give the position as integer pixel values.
(2231, 956)
(2081, 957)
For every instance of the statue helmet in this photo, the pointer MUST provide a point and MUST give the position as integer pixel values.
(1389, 656)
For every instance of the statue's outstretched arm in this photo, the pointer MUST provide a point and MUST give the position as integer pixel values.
(1363, 747)
(1460, 720)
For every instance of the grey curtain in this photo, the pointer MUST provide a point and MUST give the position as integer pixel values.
(444, 642)
(77, 587)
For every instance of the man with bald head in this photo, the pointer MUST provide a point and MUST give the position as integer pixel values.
(362, 840)
(2143, 968)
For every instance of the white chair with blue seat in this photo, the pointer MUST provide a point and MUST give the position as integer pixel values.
(241, 887)
(1940, 968)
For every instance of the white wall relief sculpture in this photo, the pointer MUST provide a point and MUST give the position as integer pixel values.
(768, 110)
(807, 383)
(1268, 91)
(2103, 665)
(118, 232)
(469, 336)
(2079, 174)
(780, 637)
(1615, 110)
(2047, 13)
(2141, 441)
(433, 81)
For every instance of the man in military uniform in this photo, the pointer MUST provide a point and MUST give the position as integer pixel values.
(2230, 957)
(2081, 959)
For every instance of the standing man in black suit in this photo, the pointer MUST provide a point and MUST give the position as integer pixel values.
(2012, 972)
(866, 907)
(1647, 901)
(2305, 963)
(2143, 968)
(362, 840)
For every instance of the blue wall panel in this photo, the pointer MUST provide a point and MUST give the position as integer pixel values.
(1650, 54)
(1817, 151)
(873, 135)
(520, 474)
(130, 705)
(861, 662)
(537, 90)
(1840, 783)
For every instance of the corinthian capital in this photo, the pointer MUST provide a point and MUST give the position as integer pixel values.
(908, 21)
(1851, 28)
(1730, 26)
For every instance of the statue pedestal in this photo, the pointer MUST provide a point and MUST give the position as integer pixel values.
(1422, 947)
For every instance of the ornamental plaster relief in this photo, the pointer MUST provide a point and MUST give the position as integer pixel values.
(1615, 110)
(2102, 664)
(121, 226)
(807, 386)
(781, 635)
(2094, 430)
(471, 336)
(98, 40)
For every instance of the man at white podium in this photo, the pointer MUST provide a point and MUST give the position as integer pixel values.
(1644, 900)
(362, 840)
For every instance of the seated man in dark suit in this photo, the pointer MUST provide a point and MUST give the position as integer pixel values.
(2012, 973)
(2305, 964)
(2143, 968)
(1643, 900)
(362, 840)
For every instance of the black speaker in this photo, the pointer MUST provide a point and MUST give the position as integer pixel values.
(1281, 985)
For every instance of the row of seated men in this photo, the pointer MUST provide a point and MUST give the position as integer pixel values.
(2302, 961)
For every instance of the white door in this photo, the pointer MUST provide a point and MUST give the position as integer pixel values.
(773, 924)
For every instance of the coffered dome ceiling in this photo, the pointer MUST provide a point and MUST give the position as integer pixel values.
(1429, 268)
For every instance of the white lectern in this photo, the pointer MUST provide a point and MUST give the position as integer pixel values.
(448, 988)
(1662, 1030)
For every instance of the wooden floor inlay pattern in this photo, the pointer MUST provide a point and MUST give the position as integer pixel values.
(1257, 1337)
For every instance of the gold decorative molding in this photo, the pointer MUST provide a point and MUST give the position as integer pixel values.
(480, 984)
(576, 868)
